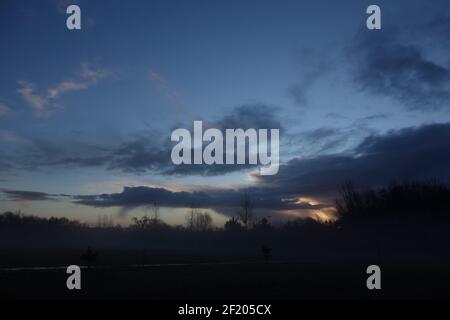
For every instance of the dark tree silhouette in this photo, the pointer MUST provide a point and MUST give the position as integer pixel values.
(405, 201)
(233, 225)
(198, 221)
(246, 210)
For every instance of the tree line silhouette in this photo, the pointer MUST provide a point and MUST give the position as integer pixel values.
(403, 201)
(401, 215)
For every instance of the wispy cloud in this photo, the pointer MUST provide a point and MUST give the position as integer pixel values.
(27, 91)
(45, 104)
(156, 78)
(88, 76)
(4, 109)
(27, 196)
(311, 66)
(144, 152)
(169, 94)
(11, 137)
(65, 86)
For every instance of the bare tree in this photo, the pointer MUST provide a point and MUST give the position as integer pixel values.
(155, 211)
(246, 210)
(190, 218)
(197, 220)
(203, 221)
(105, 221)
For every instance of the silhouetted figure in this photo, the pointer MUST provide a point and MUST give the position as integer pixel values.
(89, 257)
(266, 252)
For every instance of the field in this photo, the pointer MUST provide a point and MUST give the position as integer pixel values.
(251, 279)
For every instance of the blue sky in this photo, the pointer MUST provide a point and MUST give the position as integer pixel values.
(83, 113)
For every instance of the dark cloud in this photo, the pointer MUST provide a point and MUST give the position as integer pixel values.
(224, 201)
(93, 161)
(311, 65)
(411, 153)
(321, 133)
(437, 29)
(20, 195)
(328, 140)
(257, 116)
(147, 152)
(378, 116)
(335, 116)
(5, 165)
(142, 154)
(321, 140)
(386, 64)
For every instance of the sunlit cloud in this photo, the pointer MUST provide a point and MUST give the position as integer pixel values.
(65, 86)
(321, 215)
(37, 102)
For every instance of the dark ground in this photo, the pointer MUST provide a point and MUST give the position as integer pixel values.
(312, 278)
(309, 260)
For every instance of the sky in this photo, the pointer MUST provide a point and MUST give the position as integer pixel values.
(86, 115)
